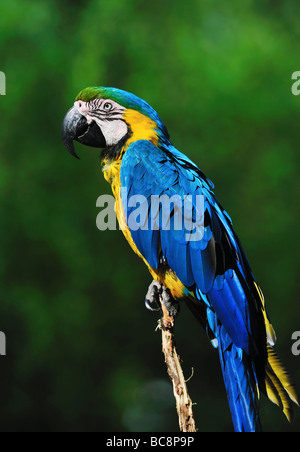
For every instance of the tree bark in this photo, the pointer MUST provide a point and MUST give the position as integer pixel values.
(184, 403)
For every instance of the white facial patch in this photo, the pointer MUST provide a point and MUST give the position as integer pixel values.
(113, 131)
(108, 115)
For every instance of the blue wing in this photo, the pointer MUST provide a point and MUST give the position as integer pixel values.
(214, 268)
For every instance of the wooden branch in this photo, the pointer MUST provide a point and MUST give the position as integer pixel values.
(184, 403)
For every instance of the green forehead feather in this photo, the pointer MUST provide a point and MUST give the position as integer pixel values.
(123, 98)
(91, 93)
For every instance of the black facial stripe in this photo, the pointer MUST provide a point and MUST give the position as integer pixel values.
(114, 113)
(113, 119)
(107, 116)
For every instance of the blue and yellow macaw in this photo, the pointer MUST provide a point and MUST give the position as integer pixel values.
(213, 273)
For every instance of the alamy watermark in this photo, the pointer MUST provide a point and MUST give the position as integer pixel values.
(296, 344)
(296, 84)
(158, 212)
(2, 344)
(2, 84)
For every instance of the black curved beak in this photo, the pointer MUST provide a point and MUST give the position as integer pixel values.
(76, 127)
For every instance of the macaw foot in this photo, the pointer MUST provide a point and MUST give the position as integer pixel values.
(152, 301)
(157, 292)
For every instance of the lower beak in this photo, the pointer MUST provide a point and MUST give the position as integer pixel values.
(76, 127)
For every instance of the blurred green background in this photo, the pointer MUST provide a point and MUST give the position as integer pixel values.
(82, 351)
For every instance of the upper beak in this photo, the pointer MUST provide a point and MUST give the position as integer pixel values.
(76, 127)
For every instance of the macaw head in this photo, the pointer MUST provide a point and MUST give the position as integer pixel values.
(106, 117)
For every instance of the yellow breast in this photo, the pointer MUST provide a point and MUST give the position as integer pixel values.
(142, 128)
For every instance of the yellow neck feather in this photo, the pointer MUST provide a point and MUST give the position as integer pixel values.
(142, 128)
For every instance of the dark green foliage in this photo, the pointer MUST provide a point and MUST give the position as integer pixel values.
(82, 351)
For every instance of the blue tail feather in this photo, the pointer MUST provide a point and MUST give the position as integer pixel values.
(240, 382)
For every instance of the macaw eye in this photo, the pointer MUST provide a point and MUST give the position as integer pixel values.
(107, 106)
